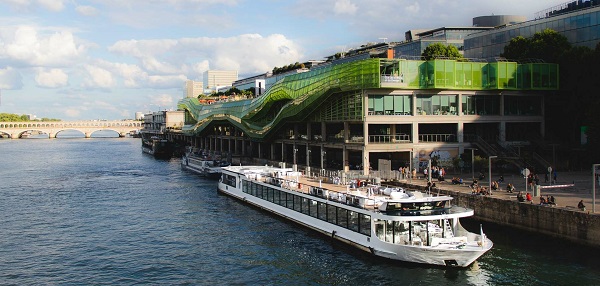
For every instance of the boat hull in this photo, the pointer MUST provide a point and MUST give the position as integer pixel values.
(455, 255)
(199, 166)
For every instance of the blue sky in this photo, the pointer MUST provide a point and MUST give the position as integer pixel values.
(107, 59)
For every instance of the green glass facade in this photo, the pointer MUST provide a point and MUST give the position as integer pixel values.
(298, 96)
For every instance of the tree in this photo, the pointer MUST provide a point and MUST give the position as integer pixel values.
(547, 45)
(437, 50)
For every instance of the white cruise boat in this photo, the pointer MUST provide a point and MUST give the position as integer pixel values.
(203, 166)
(390, 223)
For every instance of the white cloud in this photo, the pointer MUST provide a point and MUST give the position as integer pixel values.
(10, 79)
(98, 77)
(52, 5)
(413, 8)
(248, 53)
(344, 7)
(36, 47)
(162, 100)
(51, 78)
(73, 112)
(86, 10)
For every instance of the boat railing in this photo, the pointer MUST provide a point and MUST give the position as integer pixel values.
(351, 198)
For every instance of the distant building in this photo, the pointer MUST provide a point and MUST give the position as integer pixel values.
(139, 115)
(192, 88)
(416, 41)
(161, 121)
(213, 80)
(576, 20)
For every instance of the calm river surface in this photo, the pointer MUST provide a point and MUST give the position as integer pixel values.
(98, 211)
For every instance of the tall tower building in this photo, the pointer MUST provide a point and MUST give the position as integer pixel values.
(192, 88)
(215, 79)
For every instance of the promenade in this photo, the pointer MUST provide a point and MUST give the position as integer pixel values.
(566, 197)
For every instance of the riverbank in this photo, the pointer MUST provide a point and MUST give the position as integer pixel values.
(563, 221)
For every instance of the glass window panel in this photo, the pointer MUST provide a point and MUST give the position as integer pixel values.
(342, 217)
(332, 214)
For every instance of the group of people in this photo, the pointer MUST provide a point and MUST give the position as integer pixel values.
(477, 189)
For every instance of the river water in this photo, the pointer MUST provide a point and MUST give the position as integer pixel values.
(99, 211)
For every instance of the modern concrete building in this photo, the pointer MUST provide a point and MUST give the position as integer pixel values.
(192, 88)
(359, 113)
(579, 21)
(416, 42)
(213, 80)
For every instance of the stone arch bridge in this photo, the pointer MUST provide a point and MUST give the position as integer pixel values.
(15, 130)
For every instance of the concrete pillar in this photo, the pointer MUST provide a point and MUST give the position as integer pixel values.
(460, 132)
(502, 131)
(365, 162)
(346, 131)
(415, 133)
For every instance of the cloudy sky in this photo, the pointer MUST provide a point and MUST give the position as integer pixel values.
(107, 59)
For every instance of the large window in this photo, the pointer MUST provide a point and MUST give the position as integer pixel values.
(481, 105)
(437, 105)
(389, 105)
(522, 105)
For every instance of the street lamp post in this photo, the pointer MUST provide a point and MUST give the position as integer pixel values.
(322, 159)
(594, 187)
(490, 171)
(295, 166)
(472, 162)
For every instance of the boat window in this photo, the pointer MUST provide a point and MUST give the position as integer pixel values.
(289, 201)
(353, 223)
(342, 217)
(305, 206)
(322, 211)
(389, 231)
(332, 214)
(298, 203)
(313, 209)
(365, 224)
(276, 195)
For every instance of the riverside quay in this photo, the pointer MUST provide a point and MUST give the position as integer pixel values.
(362, 115)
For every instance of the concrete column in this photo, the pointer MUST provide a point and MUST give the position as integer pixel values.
(460, 132)
(365, 162)
(502, 131)
(323, 131)
(345, 159)
(415, 132)
(346, 131)
(259, 150)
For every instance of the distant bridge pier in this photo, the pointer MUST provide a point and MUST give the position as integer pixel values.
(122, 134)
(88, 135)
(51, 135)
(14, 135)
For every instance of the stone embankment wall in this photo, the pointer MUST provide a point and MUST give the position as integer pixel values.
(565, 223)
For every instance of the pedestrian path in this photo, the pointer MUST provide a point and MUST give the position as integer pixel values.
(570, 188)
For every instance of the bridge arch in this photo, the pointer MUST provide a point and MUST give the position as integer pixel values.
(121, 127)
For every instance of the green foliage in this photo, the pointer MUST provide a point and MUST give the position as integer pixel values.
(10, 117)
(290, 67)
(437, 50)
(547, 45)
(576, 104)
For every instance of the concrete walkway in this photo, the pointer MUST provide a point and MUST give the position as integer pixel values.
(566, 196)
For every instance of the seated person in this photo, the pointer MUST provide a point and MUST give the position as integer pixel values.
(511, 188)
(542, 200)
(494, 185)
(520, 197)
(550, 200)
(581, 206)
(528, 197)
